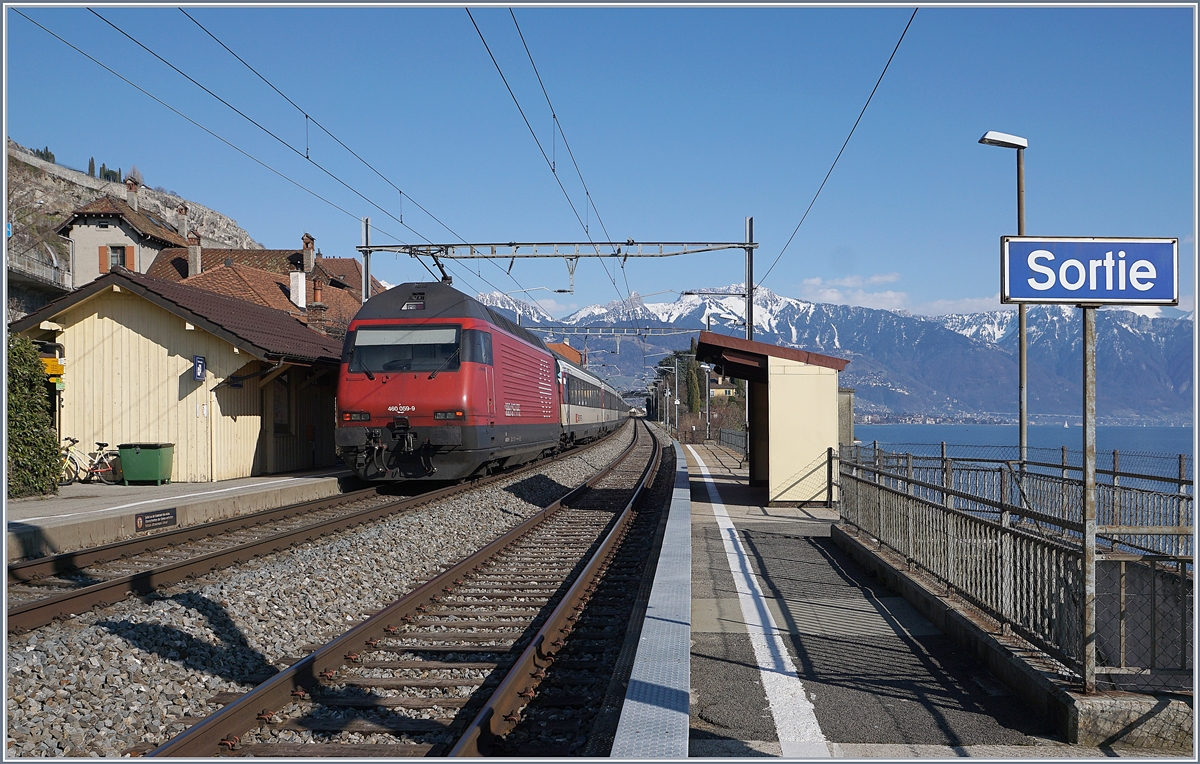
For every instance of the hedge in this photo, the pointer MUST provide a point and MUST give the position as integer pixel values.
(32, 443)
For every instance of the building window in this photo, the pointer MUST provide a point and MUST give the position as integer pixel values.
(282, 414)
(116, 256)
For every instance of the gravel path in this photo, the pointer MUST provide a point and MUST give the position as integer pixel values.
(113, 678)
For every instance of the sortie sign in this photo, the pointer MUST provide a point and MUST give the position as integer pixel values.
(1089, 271)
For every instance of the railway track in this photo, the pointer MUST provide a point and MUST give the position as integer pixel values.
(43, 589)
(451, 668)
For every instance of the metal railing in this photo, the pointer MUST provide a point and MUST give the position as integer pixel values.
(735, 440)
(1011, 543)
(23, 262)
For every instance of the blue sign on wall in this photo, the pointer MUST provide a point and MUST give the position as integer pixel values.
(1093, 271)
(198, 368)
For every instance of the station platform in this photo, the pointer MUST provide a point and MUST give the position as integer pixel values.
(787, 647)
(90, 514)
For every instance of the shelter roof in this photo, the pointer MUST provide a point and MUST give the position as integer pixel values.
(261, 331)
(746, 359)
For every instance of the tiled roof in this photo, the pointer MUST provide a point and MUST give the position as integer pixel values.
(349, 269)
(274, 291)
(262, 331)
(172, 264)
(145, 223)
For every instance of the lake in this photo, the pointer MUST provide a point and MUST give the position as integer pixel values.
(1170, 441)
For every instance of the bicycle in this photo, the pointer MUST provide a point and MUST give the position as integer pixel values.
(105, 465)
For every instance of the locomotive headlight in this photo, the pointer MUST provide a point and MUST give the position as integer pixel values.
(449, 415)
(356, 416)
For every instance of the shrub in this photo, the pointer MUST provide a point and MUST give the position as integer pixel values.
(32, 442)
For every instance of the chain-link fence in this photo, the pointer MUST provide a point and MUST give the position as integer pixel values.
(1011, 542)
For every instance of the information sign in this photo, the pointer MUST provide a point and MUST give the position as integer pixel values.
(198, 368)
(1089, 271)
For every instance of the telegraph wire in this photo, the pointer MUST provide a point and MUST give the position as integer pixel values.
(587, 194)
(309, 118)
(839, 154)
(167, 106)
(350, 188)
(549, 163)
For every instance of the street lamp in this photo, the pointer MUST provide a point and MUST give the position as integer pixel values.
(1006, 141)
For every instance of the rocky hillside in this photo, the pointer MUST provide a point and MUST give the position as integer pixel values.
(61, 190)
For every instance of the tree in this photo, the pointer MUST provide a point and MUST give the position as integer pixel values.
(136, 174)
(695, 398)
(33, 454)
(92, 167)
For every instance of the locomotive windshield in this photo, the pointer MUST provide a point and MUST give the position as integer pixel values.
(404, 348)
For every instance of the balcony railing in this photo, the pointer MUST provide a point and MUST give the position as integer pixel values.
(26, 264)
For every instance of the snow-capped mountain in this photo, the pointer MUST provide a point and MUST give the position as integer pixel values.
(528, 312)
(954, 364)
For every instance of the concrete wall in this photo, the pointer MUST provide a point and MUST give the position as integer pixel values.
(846, 415)
(803, 426)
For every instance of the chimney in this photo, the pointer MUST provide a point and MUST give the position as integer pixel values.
(131, 193)
(316, 311)
(181, 219)
(309, 254)
(193, 241)
(298, 288)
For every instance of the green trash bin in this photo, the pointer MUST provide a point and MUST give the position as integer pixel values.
(147, 461)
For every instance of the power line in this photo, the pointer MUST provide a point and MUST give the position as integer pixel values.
(259, 126)
(167, 106)
(844, 144)
(310, 118)
(542, 149)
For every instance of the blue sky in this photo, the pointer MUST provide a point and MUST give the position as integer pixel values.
(683, 122)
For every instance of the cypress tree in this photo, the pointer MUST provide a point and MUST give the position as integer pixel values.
(92, 167)
(694, 396)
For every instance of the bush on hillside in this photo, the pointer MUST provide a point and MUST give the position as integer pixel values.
(32, 442)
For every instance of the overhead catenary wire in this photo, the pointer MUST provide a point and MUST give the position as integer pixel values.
(180, 114)
(843, 148)
(309, 118)
(590, 203)
(242, 114)
(288, 145)
(549, 162)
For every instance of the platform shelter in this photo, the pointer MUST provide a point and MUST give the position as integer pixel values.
(794, 422)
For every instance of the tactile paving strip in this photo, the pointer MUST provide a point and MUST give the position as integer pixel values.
(654, 719)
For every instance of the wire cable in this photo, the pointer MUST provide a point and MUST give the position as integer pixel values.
(844, 144)
(316, 164)
(310, 118)
(167, 106)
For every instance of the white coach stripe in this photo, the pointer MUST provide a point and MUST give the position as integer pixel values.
(795, 718)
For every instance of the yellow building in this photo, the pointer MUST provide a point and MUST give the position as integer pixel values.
(794, 401)
(239, 389)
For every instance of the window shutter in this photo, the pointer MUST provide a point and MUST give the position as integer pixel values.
(103, 259)
(129, 257)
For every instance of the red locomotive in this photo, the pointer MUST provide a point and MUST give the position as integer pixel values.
(435, 385)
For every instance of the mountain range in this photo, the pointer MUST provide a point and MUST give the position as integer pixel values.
(958, 366)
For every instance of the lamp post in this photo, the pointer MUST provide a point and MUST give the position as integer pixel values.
(1004, 140)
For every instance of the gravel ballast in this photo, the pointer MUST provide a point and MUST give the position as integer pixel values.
(115, 678)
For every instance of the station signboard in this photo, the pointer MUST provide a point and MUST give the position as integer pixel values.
(1089, 271)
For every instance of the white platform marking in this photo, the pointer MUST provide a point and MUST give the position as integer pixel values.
(795, 718)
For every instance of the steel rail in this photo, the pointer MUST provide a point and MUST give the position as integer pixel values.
(37, 613)
(69, 562)
(501, 712)
(205, 737)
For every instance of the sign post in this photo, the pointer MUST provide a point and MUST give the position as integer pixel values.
(1088, 273)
